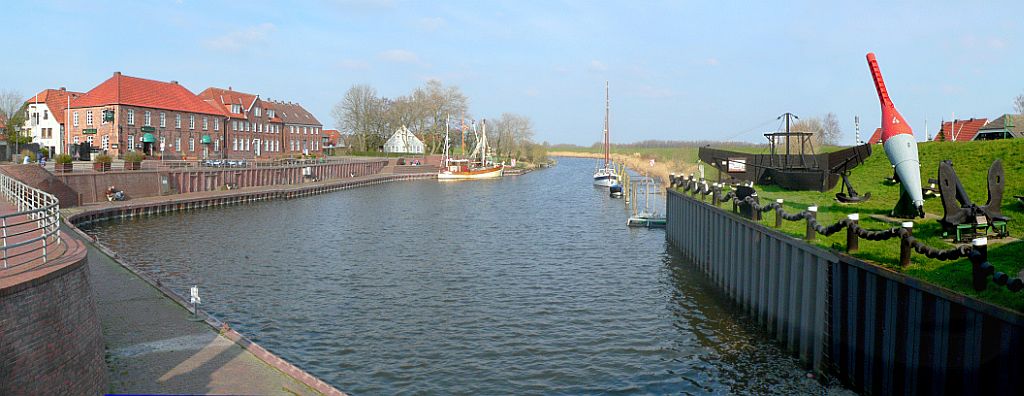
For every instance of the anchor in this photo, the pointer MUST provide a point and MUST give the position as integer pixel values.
(960, 213)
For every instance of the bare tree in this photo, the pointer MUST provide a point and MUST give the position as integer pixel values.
(358, 112)
(831, 131)
(11, 103)
(1018, 104)
(814, 125)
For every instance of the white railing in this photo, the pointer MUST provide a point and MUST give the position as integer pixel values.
(32, 233)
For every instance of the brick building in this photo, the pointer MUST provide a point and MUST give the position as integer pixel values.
(252, 127)
(302, 132)
(162, 119)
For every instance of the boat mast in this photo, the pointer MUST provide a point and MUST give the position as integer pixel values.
(483, 142)
(447, 120)
(607, 145)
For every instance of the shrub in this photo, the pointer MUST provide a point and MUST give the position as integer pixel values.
(134, 156)
(45, 152)
(63, 158)
(103, 159)
(27, 153)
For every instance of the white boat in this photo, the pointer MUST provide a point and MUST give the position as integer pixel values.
(606, 176)
(465, 169)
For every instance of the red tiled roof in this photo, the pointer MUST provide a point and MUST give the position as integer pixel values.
(56, 100)
(293, 113)
(229, 97)
(134, 91)
(876, 137)
(963, 131)
(216, 107)
(333, 135)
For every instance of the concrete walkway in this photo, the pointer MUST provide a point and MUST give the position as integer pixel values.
(153, 347)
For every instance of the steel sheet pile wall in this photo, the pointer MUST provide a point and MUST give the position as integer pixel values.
(878, 331)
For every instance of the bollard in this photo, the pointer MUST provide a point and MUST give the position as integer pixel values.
(778, 213)
(714, 194)
(905, 244)
(852, 241)
(812, 212)
(980, 266)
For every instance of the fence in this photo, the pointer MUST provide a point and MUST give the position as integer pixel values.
(32, 233)
(876, 330)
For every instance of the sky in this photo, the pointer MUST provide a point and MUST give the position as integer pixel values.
(678, 70)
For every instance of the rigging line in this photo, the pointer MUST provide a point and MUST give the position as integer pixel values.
(748, 130)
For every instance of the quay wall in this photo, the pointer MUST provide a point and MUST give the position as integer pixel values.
(877, 331)
(91, 186)
(50, 336)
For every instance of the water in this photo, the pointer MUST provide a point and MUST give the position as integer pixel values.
(526, 285)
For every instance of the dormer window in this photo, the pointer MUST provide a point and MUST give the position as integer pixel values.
(236, 108)
(270, 113)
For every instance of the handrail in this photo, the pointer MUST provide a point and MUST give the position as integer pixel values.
(977, 253)
(32, 233)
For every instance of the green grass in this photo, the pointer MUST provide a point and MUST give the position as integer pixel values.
(971, 161)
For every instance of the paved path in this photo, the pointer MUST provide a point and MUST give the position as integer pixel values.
(153, 347)
(17, 261)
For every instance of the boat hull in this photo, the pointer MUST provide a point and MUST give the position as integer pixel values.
(484, 173)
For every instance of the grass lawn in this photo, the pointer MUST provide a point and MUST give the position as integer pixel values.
(971, 161)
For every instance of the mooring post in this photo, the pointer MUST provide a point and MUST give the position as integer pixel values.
(980, 267)
(905, 244)
(778, 213)
(811, 213)
(714, 193)
(852, 241)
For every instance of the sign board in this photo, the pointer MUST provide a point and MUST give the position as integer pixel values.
(148, 129)
(89, 131)
(194, 295)
(737, 165)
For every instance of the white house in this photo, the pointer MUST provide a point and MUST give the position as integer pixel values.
(44, 118)
(403, 141)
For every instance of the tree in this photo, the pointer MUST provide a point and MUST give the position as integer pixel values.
(831, 131)
(814, 125)
(1018, 104)
(359, 112)
(12, 113)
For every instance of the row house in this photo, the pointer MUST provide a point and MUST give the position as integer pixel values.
(302, 132)
(44, 117)
(252, 127)
(162, 119)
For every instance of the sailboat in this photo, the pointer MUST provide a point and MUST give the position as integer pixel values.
(606, 176)
(465, 169)
(647, 217)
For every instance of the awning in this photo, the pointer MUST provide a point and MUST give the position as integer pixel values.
(148, 138)
(206, 139)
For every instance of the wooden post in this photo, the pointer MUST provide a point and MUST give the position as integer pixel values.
(778, 213)
(812, 212)
(905, 244)
(852, 241)
(979, 274)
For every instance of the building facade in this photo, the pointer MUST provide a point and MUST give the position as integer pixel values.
(403, 141)
(44, 118)
(301, 133)
(162, 119)
(253, 128)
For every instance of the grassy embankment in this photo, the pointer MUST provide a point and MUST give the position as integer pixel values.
(971, 161)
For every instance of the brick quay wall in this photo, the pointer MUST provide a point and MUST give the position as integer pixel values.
(50, 336)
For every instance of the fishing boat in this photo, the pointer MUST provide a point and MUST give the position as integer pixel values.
(469, 169)
(646, 217)
(606, 176)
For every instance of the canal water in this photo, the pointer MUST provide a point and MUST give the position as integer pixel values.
(525, 285)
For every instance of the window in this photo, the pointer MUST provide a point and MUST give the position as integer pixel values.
(191, 145)
(147, 119)
(234, 144)
(177, 121)
(75, 140)
(46, 114)
(163, 120)
(88, 118)
(270, 113)
(89, 140)
(177, 144)
(75, 118)
(206, 124)
(191, 121)
(105, 142)
(131, 142)
(236, 108)
(216, 124)
(216, 145)
(131, 117)
(259, 127)
(234, 125)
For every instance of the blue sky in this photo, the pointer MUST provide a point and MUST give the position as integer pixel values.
(678, 70)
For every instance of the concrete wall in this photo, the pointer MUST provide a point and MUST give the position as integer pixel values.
(92, 186)
(37, 177)
(50, 336)
(878, 331)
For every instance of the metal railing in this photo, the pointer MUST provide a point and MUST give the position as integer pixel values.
(32, 234)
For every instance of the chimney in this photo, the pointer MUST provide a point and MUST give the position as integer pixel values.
(117, 73)
(174, 82)
(229, 87)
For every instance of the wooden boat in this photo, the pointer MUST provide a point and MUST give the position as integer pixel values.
(465, 169)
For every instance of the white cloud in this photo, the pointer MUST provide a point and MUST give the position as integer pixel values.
(711, 61)
(598, 66)
(400, 56)
(431, 24)
(353, 64)
(242, 39)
